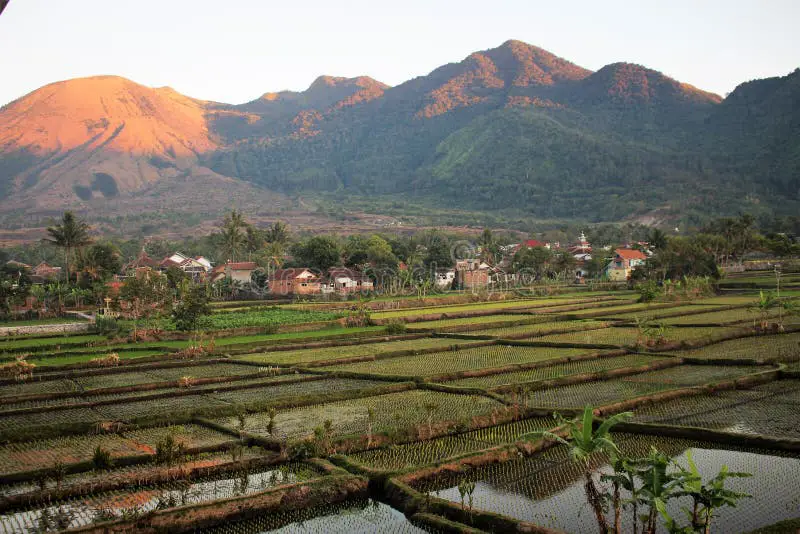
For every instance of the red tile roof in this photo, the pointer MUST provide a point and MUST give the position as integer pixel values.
(531, 243)
(630, 254)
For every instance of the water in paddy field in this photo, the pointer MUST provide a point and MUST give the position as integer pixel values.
(349, 517)
(85, 510)
(547, 489)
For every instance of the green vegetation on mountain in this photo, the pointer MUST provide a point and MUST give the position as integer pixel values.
(514, 132)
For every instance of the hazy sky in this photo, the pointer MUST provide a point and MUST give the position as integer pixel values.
(235, 50)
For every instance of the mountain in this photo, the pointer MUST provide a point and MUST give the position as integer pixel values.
(98, 136)
(512, 130)
(757, 128)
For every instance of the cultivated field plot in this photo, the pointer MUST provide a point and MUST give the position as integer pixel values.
(419, 453)
(612, 311)
(115, 504)
(266, 317)
(131, 474)
(724, 316)
(33, 388)
(600, 393)
(627, 337)
(441, 325)
(731, 300)
(771, 409)
(558, 370)
(780, 347)
(536, 329)
(688, 309)
(172, 374)
(43, 454)
(130, 407)
(92, 397)
(456, 361)
(299, 357)
(280, 394)
(547, 488)
(484, 306)
(351, 516)
(33, 343)
(393, 411)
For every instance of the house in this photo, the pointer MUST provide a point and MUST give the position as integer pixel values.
(623, 263)
(294, 281)
(581, 248)
(44, 273)
(17, 265)
(194, 267)
(344, 280)
(237, 271)
(143, 261)
(472, 274)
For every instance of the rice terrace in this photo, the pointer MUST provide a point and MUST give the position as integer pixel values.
(435, 415)
(399, 267)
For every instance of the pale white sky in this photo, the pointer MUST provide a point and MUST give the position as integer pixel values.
(234, 51)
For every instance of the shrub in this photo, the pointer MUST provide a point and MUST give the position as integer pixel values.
(302, 450)
(185, 382)
(107, 326)
(168, 450)
(19, 370)
(396, 327)
(648, 291)
(109, 360)
(101, 459)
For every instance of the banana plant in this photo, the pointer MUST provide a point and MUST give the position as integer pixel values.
(766, 301)
(583, 441)
(708, 496)
(659, 486)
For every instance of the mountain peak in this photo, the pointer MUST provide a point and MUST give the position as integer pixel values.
(325, 81)
(634, 83)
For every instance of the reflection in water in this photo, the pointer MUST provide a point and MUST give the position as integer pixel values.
(547, 489)
(130, 504)
(354, 516)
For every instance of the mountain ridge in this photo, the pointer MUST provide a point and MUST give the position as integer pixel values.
(508, 127)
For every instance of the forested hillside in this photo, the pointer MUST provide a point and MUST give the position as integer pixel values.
(514, 128)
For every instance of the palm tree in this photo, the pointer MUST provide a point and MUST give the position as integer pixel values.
(71, 235)
(277, 232)
(657, 239)
(583, 441)
(232, 238)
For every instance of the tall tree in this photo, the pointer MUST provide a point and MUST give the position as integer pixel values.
(71, 235)
(319, 252)
(277, 232)
(101, 261)
(438, 255)
(254, 240)
(490, 249)
(232, 237)
(144, 295)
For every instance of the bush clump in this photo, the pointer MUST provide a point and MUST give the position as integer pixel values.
(396, 327)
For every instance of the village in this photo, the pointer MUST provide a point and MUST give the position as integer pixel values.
(470, 274)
